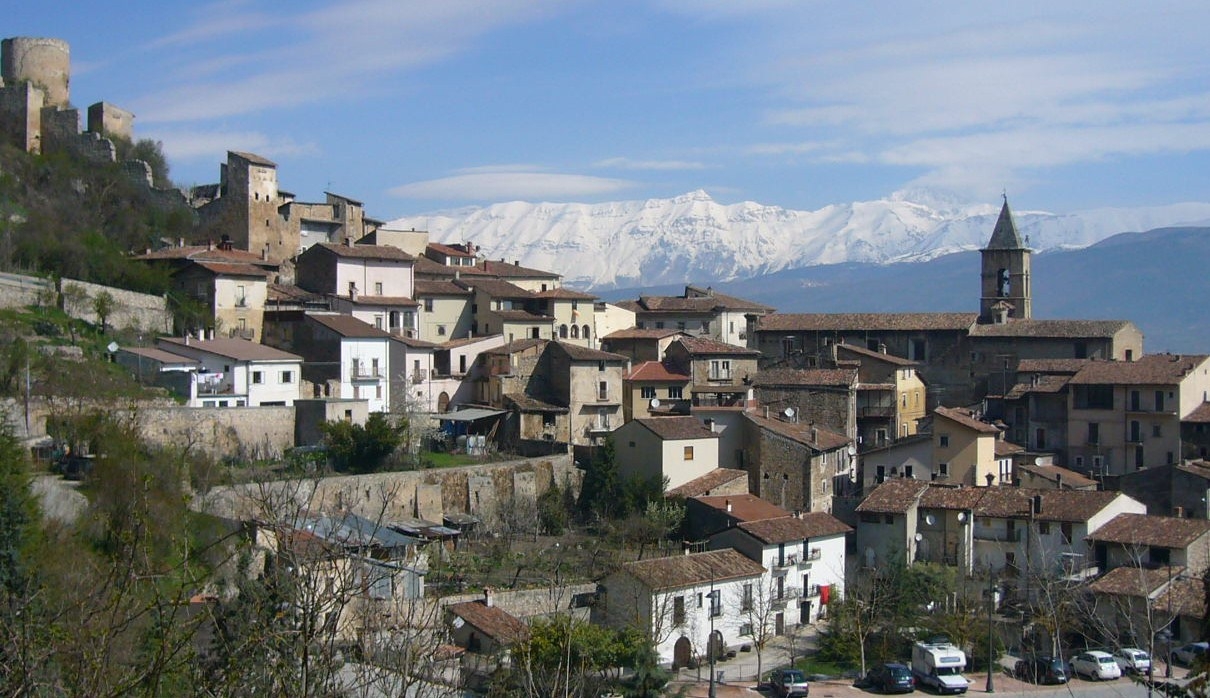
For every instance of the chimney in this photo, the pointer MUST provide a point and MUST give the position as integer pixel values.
(710, 425)
(1059, 481)
(180, 242)
(814, 435)
(264, 253)
(210, 245)
(186, 339)
(349, 242)
(488, 594)
(881, 348)
(516, 262)
(728, 502)
(210, 333)
(1035, 504)
(1179, 512)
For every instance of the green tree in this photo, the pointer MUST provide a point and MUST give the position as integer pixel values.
(601, 491)
(103, 306)
(362, 449)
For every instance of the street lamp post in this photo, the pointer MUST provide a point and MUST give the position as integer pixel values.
(991, 605)
(710, 641)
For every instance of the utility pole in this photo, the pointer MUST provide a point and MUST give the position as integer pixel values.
(710, 642)
(991, 606)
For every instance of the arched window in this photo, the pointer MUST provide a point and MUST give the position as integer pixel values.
(562, 331)
(575, 332)
(586, 332)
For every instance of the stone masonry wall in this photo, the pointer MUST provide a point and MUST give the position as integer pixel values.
(249, 432)
(130, 309)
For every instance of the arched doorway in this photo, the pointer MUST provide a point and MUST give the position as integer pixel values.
(682, 653)
(716, 646)
(443, 401)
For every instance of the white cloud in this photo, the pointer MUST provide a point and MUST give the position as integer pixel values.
(495, 186)
(187, 145)
(622, 163)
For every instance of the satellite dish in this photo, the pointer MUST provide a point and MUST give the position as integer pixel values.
(655, 403)
(919, 537)
(962, 517)
(112, 347)
(789, 412)
(930, 520)
(852, 450)
(457, 622)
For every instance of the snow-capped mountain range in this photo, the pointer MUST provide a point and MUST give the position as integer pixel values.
(692, 238)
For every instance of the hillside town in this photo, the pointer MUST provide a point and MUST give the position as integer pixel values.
(797, 457)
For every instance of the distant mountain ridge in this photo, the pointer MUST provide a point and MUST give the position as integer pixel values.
(693, 238)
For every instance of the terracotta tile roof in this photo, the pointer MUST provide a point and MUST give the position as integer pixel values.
(1068, 366)
(238, 349)
(515, 346)
(698, 569)
(656, 371)
(702, 486)
(562, 293)
(496, 288)
(894, 496)
(289, 292)
(954, 498)
(967, 419)
(1053, 472)
(806, 377)
(449, 251)
(876, 355)
(705, 345)
(348, 326)
(505, 270)
(1151, 369)
(492, 621)
(704, 301)
(744, 507)
(1074, 506)
(677, 428)
(164, 357)
(815, 437)
(1018, 327)
(1003, 502)
(857, 322)
(463, 341)
(580, 353)
(428, 268)
(1134, 581)
(1004, 449)
(1199, 468)
(1043, 385)
(424, 287)
(1199, 415)
(527, 403)
(229, 269)
(813, 524)
(383, 252)
(1146, 529)
(415, 343)
(517, 315)
(205, 253)
(644, 333)
(1188, 597)
(253, 158)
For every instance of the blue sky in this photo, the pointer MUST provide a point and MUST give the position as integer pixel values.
(416, 106)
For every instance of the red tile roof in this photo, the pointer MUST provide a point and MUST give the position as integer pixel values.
(1146, 529)
(229, 269)
(744, 507)
(705, 345)
(843, 322)
(894, 496)
(238, 349)
(656, 371)
(813, 524)
(348, 326)
(1152, 369)
(424, 287)
(383, 252)
(677, 428)
(876, 355)
(641, 333)
(1199, 415)
(492, 621)
(844, 377)
(967, 419)
(1018, 327)
(702, 486)
(562, 293)
(1134, 581)
(805, 433)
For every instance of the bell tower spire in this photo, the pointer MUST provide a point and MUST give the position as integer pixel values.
(1006, 282)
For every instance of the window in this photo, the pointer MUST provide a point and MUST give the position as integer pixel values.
(378, 322)
(535, 333)
(287, 376)
(720, 369)
(745, 629)
(1094, 433)
(378, 391)
(562, 331)
(440, 330)
(374, 367)
(1044, 528)
(603, 390)
(678, 610)
(352, 289)
(688, 453)
(1093, 397)
(943, 469)
(600, 367)
(676, 392)
(705, 327)
(745, 603)
(647, 392)
(548, 419)
(575, 332)
(258, 377)
(716, 603)
(377, 288)
(943, 441)
(1155, 430)
(681, 325)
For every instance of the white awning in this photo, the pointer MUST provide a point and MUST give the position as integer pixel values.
(469, 415)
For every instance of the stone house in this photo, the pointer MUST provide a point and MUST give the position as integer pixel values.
(235, 372)
(823, 396)
(1136, 606)
(1135, 539)
(499, 306)
(910, 458)
(643, 345)
(1045, 477)
(694, 606)
(1126, 415)
(891, 396)
(797, 465)
(234, 295)
(1180, 490)
(679, 449)
(373, 283)
(1035, 408)
(721, 374)
(700, 312)
(652, 389)
(573, 312)
(343, 357)
(589, 383)
(482, 627)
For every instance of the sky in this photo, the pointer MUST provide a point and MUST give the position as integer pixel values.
(417, 106)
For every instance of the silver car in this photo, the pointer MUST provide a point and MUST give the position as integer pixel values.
(1096, 665)
(1132, 660)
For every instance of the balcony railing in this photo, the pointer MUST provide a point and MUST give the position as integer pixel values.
(878, 411)
(364, 373)
(813, 554)
(1013, 536)
(786, 561)
(248, 333)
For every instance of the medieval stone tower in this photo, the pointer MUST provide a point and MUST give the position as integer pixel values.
(46, 63)
(1007, 286)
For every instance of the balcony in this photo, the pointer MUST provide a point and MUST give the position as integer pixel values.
(786, 562)
(813, 554)
(787, 595)
(248, 333)
(364, 373)
(241, 302)
(880, 411)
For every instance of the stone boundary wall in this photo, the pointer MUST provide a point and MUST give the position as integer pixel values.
(428, 494)
(130, 309)
(531, 603)
(247, 432)
(18, 291)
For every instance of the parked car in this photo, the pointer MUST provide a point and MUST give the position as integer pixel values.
(1132, 660)
(890, 678)
(790, 682)
(1096, 665)
(1041, 670)
(1187, 654)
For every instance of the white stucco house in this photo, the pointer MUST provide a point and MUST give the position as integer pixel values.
(237, 372)
(677, 448)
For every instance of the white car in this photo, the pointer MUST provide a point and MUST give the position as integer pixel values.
(1132, 660)
(1096, 665)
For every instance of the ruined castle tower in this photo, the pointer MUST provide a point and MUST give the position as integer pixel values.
(44, 63)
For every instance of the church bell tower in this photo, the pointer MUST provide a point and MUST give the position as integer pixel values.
(1007, 287)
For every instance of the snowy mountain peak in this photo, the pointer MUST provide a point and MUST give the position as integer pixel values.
(694, 238)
